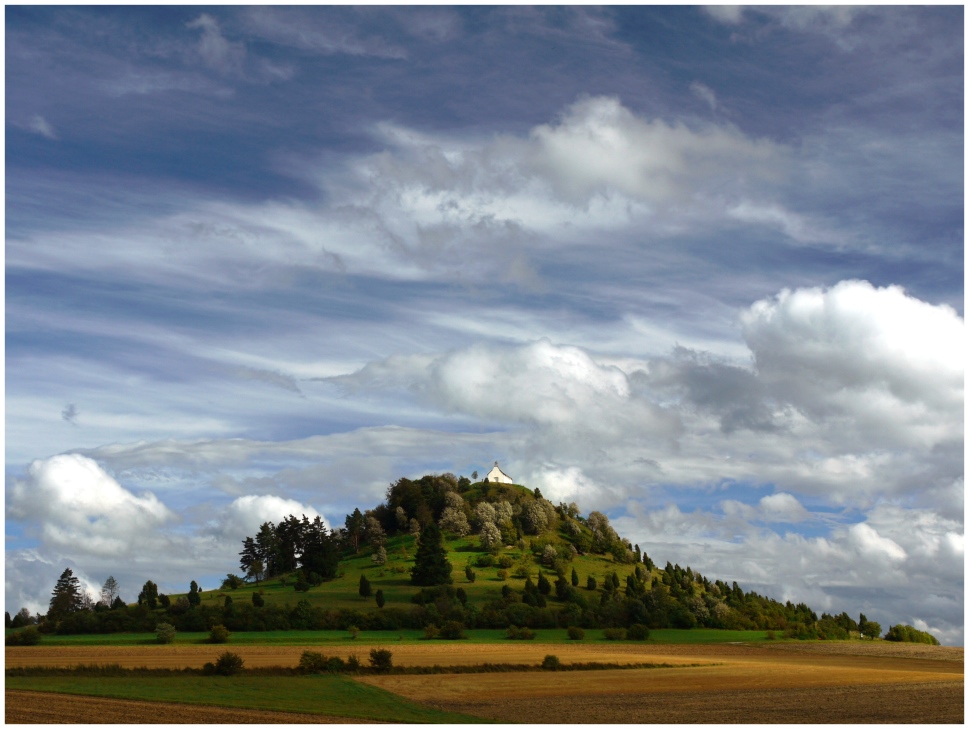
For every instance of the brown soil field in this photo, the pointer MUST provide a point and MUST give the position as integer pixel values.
(741, 683)
(777, 683)
(918, 703)
(32, 707)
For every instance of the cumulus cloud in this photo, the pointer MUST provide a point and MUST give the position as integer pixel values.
(244, 515)
(887, 366)
(849, 393)
(82, 508)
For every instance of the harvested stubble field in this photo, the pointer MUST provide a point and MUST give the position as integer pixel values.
(780, 683)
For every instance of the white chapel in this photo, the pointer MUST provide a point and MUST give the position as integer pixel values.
(497, 475)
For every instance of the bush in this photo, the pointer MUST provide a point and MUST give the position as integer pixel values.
(515, 633)
(381, 660)
(431, 631)
(637, 631)
(353, 663)
(502, 575)
(485, 560)
(551, 663)
(908, 634)
(312, 662)
(575, 633)
(257, 600)
(219, 634)
(505, 562)
(354, 631)
(165, 632)
(228, 664)
(28, 636)
(614, 633)
(452, 630)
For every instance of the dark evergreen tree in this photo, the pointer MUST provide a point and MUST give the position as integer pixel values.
(590, 583)
(364, 586)
(257, 600)
(469, 573)
(354, 525)
(267, 547)
(249, 555)
(575, 578)
(544, 586)
(193, 594)
(66, 597)
(321, 554)
(149, 595)
(379, 597)
(431, 566)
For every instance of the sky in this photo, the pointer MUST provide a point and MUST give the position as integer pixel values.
(698, 268)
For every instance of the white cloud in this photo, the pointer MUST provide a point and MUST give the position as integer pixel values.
(83, 509)
(873, 363)
(213, 48)
(244, 515)
(42, 127)
(705, 94)
(727, 14)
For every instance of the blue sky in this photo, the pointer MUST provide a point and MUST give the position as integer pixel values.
(699, 268)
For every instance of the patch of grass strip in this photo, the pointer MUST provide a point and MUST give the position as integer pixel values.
(330, 695)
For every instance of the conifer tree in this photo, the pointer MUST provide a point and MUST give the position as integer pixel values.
(364, 586)
(66, 597)
(431, 566)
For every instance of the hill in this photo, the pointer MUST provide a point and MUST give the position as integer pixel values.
(517, 559)
(444, 554)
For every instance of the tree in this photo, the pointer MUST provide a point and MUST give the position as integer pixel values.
(249, 556)
(544, 586)
(109, 591)
(257, 570)
(871, 629)
(575, 578)
(257, 600)
(379, 597)
(490, 536)
(454, 521)
(165, 632)
(469, 573)
(149, 595)
(379, 557)
(66, 597)
(321, 553)
(193, 594)
(353, 526)
(431, 566)
(364, 586)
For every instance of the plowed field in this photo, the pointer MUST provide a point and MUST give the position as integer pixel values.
(778, 683)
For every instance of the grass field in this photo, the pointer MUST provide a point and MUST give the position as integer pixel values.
(394, 577)
(327, 695)
(398, 637)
